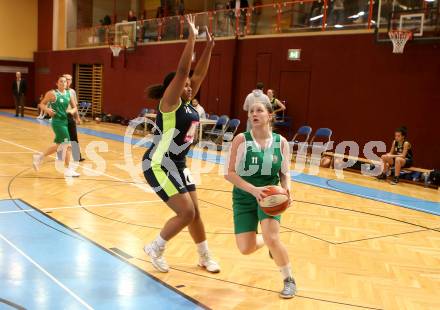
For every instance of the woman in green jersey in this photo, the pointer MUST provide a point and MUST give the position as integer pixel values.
(259, 158)
(60, 100)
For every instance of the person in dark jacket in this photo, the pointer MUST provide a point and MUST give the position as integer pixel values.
(19, 87)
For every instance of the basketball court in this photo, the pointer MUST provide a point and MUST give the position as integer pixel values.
(78, 243)
(353, 243)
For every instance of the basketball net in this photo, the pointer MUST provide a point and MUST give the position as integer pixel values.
(116, 49)
(399, 39)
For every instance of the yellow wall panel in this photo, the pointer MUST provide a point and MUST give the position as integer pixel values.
(18, 29)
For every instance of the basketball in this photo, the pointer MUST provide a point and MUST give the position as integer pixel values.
(276, 201)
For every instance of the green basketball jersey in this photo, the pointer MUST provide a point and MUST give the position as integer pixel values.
(259, 167)
(60, 106)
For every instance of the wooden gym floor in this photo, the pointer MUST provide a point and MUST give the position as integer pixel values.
(347, 251)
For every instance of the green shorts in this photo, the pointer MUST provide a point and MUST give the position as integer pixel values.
(61, 132)
(247, 214)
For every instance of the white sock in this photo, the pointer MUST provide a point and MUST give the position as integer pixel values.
(161, 242)
(286, 271)
(202, 247)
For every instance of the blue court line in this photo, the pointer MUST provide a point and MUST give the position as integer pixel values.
(101, 279)
(417, 204)
(427, 206)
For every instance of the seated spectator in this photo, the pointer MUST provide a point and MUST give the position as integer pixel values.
(277, 106)
(107, 20)
(131, 16)
(400, 156)
(198, 107)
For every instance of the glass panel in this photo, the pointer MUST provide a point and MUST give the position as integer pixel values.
(261, 19)
(170, 28)
(94, 36)
(348, 14)
(223, 22)
(148, 30)
(301, 16)
(265, 19)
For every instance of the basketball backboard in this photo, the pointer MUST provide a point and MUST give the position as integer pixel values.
(420, 17)
(125, 34)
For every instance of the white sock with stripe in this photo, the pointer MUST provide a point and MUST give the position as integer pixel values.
(286, 271)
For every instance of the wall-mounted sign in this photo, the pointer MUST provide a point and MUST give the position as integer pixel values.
(294, 54)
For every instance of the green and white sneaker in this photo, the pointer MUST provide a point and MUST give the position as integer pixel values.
(289, 289)
(156, 256)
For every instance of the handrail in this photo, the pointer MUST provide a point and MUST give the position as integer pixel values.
(277, 17)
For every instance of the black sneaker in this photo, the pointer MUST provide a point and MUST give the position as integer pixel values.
(395, 181)
(382, 176)
(289, 289)
(82, 159)
(270, 255)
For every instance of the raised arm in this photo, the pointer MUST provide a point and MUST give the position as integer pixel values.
(171, 97)
(203, 64)
(48, 97)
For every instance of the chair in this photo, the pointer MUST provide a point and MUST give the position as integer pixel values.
(303, 131)
(213, 117)
(226, 117)
(324, 133)
(230, 131)
(83, 109)
(321, 134)
(219, 127)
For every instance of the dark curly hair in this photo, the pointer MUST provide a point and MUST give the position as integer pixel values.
(403, 130)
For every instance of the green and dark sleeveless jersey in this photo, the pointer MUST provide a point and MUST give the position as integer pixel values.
(275, 106)
(257, 166)
(59, 106)
(175, 134)
(398, 149)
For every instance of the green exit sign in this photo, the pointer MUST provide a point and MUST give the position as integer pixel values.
(294, 54)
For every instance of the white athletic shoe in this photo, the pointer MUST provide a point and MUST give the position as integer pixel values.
(207, 262)
(36, 161)
(69, 172)
(156, 256)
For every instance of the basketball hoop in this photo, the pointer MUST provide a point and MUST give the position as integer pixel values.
(399, 39)
(116, 49)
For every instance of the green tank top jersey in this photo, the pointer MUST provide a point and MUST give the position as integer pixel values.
(60, 106)
(258, 167)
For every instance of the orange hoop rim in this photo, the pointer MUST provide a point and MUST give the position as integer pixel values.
(396, 31)
(399, 38)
